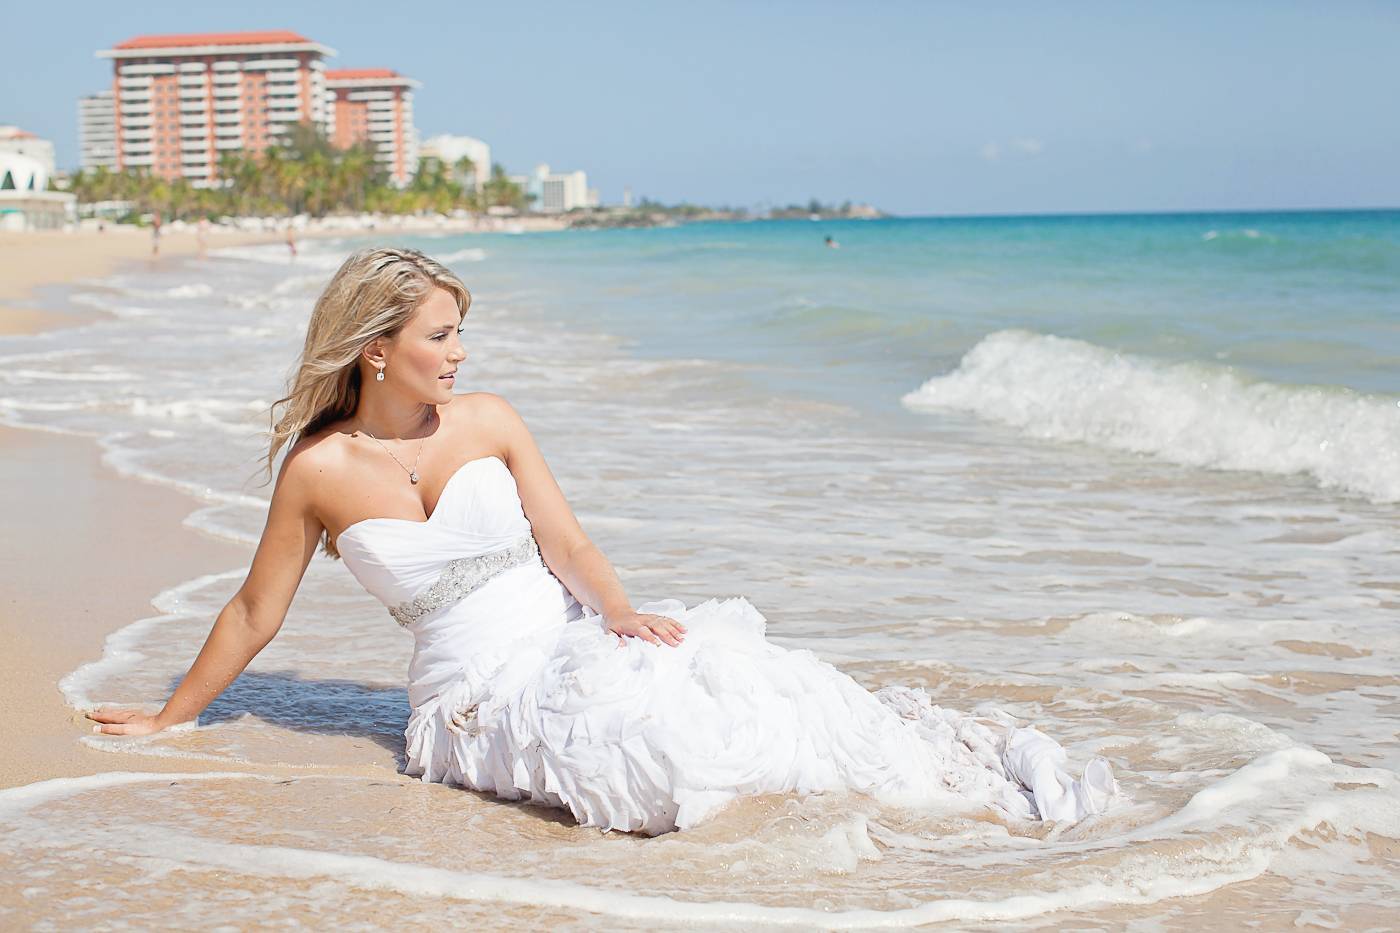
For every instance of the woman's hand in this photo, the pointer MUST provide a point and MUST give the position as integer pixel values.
(124, 721)
(652, 628)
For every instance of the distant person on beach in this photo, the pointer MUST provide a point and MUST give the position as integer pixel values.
(292, 241)
(201, 236)
(155, 234)
(832, 244)
(533, 676)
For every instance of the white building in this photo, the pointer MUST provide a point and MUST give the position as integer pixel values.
(25, 201)
(526, 183)
(97, 131)
(559, 192)
(20, 142)
(452, 149)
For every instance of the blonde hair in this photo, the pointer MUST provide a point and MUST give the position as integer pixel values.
(372, 295)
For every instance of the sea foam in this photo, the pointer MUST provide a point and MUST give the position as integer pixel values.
(469, 254)
(1231, 830)
(1188, 413)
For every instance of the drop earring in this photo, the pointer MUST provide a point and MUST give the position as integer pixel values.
(379, 376)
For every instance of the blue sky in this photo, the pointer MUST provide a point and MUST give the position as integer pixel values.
(919, 108)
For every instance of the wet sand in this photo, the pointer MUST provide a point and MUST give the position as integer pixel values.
(65, 582)
(86, 550)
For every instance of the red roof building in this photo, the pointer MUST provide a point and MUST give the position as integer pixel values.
(183, 100)
(375, 105)
(199, 39)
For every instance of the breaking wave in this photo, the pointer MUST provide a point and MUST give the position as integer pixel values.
(1188, 413)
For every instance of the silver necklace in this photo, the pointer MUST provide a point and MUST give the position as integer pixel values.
(413, 471)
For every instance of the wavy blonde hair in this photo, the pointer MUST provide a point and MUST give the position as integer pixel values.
(372, 295)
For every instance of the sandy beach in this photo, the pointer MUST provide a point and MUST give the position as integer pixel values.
(63, 586)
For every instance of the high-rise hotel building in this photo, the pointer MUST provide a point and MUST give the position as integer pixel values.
(97, 131)
(182, 100)
(375, 105)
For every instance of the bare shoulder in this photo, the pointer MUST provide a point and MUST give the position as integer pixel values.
(308, 463)
(485, 414)
(481, 405)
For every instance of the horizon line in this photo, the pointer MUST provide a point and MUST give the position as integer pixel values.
(1139, 212)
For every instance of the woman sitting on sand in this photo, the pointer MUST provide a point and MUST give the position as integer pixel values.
(532, 674)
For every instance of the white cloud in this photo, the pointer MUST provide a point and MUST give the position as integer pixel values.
(991, 152)
(1029, 146)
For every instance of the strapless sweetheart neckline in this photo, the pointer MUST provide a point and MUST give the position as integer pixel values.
(436, 509)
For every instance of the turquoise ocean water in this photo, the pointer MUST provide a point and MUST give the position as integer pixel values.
(1296, 298)
(1247, 336)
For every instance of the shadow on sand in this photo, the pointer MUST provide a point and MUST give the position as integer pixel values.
(288, 700)
(291, 701)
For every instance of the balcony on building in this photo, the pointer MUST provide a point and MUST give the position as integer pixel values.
(270, 64)
(147, 68)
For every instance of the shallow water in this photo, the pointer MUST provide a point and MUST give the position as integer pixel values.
(1045, 501)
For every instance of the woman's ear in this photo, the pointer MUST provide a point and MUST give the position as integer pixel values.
(374, 352)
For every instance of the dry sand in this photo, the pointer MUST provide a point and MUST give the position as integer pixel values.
(64, 586)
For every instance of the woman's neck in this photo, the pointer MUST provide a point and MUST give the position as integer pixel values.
(387, 418)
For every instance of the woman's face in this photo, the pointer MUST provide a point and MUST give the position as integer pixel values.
(421, 360)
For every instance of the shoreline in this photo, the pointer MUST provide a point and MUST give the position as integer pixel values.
(35, 260)
(67, 588)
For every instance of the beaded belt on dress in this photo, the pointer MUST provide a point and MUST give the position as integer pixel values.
(460, 577)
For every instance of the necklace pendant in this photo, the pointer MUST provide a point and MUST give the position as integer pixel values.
(413, 477)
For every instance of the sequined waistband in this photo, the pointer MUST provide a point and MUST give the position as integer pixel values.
(460, 577)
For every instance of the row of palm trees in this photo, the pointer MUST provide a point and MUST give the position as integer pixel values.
(303, 174)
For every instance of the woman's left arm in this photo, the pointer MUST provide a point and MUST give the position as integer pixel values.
(566, 549)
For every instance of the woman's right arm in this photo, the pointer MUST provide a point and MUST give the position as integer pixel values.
(251, 618)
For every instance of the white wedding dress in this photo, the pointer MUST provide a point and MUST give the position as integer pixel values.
(519, 691)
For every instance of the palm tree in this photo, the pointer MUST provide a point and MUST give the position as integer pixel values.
(500, 191)
(302, 172)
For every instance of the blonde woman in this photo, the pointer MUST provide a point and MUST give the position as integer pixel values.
(533, 676)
